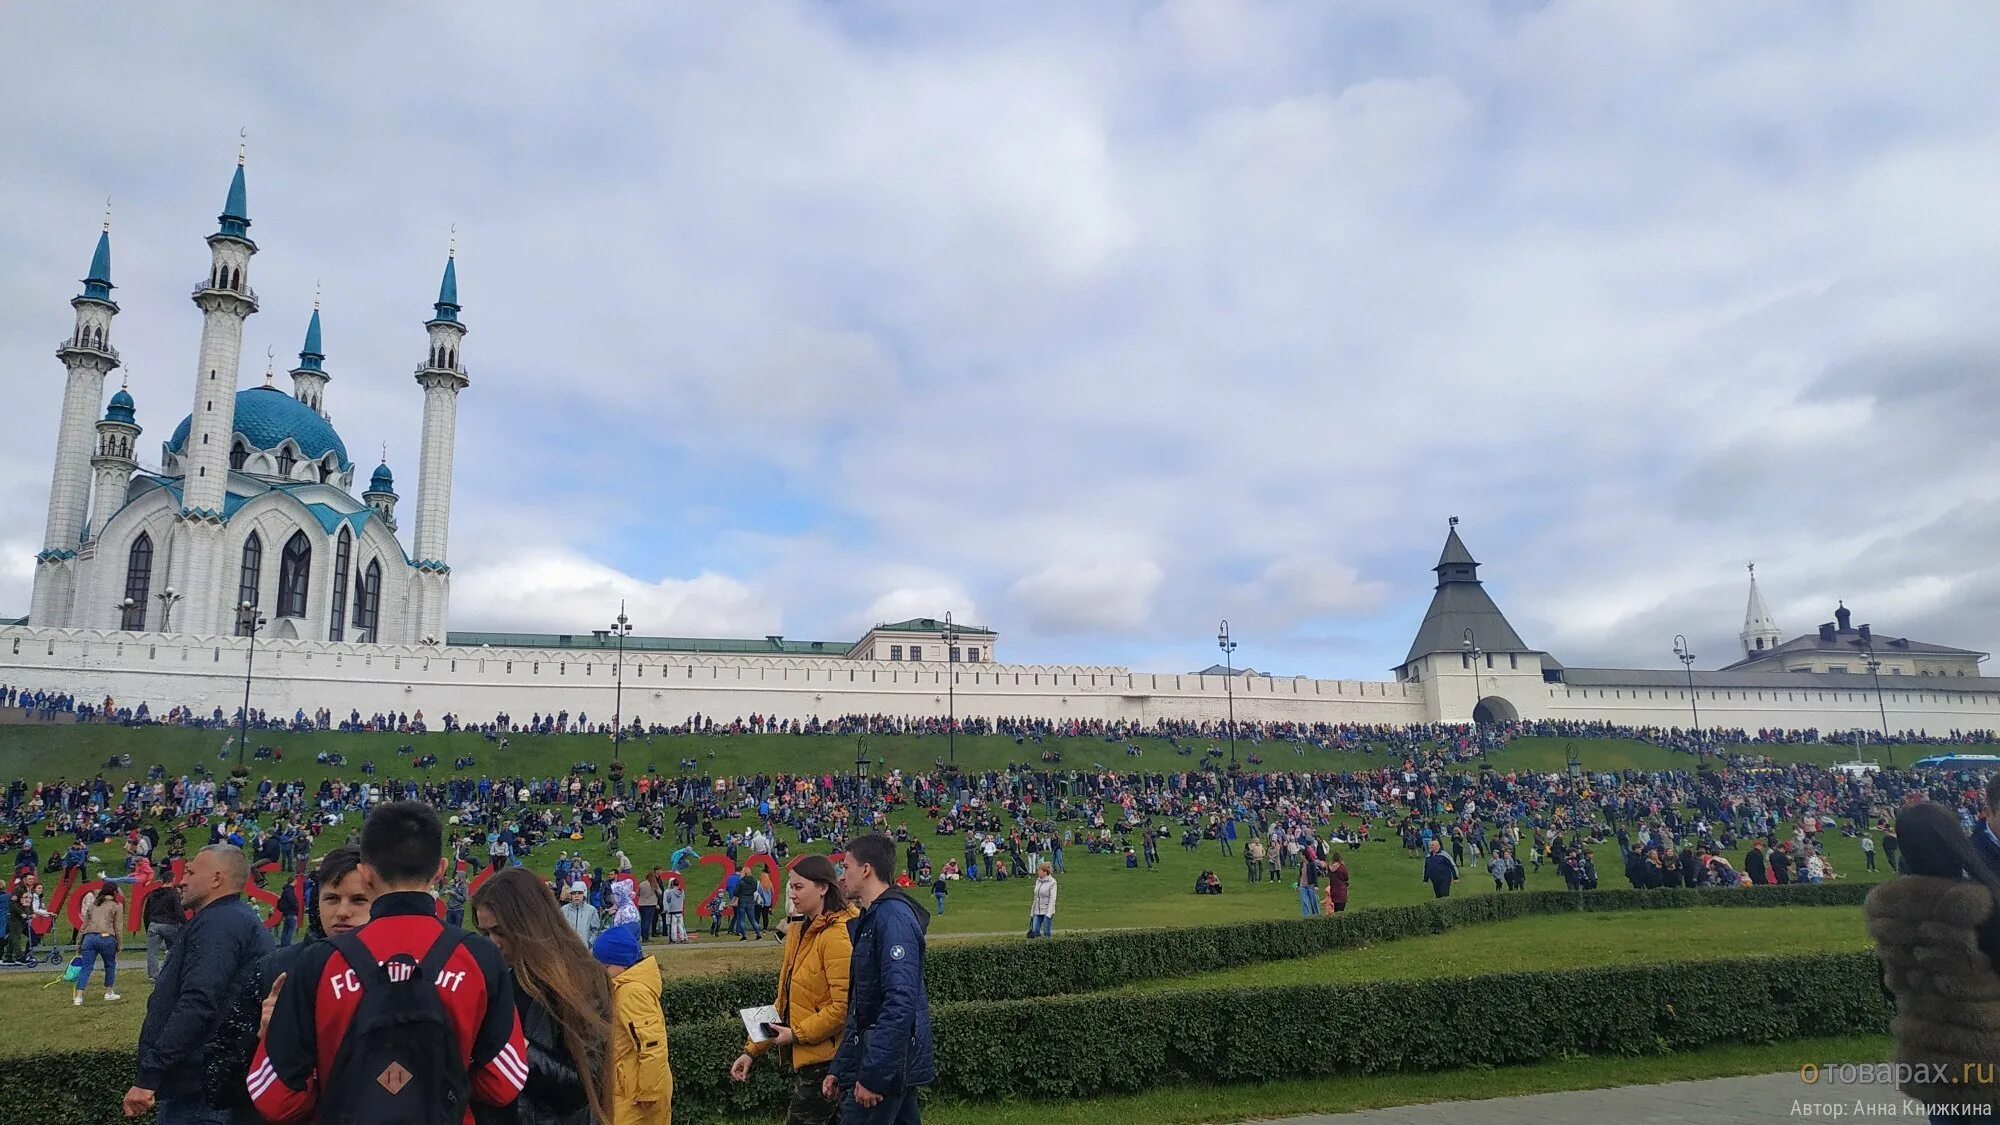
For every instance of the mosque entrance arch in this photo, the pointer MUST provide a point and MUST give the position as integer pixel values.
(1494, 709)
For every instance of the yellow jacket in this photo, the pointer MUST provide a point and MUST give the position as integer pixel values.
(639, 1070)
(812, 987)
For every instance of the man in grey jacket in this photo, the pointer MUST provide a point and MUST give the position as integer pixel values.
(581, 916)
(223, 937)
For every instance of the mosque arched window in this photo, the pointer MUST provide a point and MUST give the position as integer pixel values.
(246, 586)
(294, 575)
(138, 580)
(238, 455)
(336, 628)
(287, 461)
(368, 602)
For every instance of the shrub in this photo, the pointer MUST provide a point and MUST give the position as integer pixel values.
(1089, 962)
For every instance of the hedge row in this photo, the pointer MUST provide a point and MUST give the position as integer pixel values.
(1093, 961)
(1073, 1047)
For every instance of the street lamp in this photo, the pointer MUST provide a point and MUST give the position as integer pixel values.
(1229, 682)
(623, 628)
(167, 599)
(1874, 667)
(124, 609)
(860, 765)
(951, 692)
(1472, 651)
(1687, 661)
(248, 621)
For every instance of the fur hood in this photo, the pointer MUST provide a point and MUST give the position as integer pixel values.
(1926, 931)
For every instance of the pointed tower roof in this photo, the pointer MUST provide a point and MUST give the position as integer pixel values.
(447, 302)
(235, 217)
(97, 285)
(122, 408)
(1756, 615)
(311, 355)
(1459, 604)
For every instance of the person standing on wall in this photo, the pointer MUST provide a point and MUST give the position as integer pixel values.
(222, 938)
(885, 1050)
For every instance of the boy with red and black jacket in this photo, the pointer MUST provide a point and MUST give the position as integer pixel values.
(402, 851)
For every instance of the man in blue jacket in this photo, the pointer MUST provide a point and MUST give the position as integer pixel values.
(222, 938)
(885, 1050)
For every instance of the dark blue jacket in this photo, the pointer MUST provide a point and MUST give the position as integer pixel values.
(210, 955)
(887, 1042)
(1987, 846)
(1439, 870)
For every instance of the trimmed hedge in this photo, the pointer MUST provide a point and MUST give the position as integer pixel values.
(1094, 961)
(1090, 1045)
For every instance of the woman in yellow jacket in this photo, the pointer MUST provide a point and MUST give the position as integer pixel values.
(812, 990)
(642, 1084)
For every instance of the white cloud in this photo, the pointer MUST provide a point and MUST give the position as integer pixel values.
(560, 592)
(1068, 598)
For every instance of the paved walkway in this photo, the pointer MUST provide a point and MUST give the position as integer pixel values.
(1717, 1101)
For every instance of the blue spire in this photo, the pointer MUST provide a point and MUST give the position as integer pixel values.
(121, 408)
(98, 285)
(311, 355)
(447, 302)
(235, 217)
(383, 480)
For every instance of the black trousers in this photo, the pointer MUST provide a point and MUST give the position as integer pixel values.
(649, 917)
(807, 1107)
(897, 1109)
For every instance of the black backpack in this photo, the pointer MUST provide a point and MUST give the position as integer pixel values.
(401, 1062)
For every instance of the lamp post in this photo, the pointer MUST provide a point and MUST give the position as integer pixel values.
(124, 609)
(249, 621)
(167, 599)
(623, 628)
(1229, 682)
(1874, 667)
(1471, 646)
(860, 765)
(1687, 661)
(951, 690)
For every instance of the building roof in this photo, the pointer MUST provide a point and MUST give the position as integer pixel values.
(97, 286)
(768, 646)
(1462, 604)
(1752, 680)
(1219, 670)
(1848, 643)
(383, 480)
(235, 217)
(447, 302)
(313, 354)
(931, 625)
(121, 408)
(266, 416)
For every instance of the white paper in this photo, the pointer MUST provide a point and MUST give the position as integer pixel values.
(754, 1020)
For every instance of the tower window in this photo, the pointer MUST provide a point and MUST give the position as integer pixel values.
(336, 628)
(138, 580)
(294, 576)
(246, 586)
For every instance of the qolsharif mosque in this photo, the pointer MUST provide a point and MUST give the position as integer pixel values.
(243, 560)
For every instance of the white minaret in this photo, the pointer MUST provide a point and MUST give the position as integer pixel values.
(309, 378)
(1760, 630)
(381, 494)
(226, 301)
(88, 355)
(117, 441)
(442, 378)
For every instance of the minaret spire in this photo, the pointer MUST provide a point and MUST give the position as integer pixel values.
(442, 379)
(1760, 629)
(309, 378)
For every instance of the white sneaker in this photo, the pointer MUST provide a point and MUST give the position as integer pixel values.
(79, 999)
(113, 996)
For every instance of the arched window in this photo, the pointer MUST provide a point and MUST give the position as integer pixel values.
(294, 575)
(246, 586)
(336, 628)
(367, 602)
(238, 454)
(286, 461)
(138, 580)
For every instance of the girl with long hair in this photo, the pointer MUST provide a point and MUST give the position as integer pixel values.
(812, 989)
(562, 995)
(1937, 931)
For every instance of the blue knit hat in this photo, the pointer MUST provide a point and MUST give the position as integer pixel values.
(619, 947)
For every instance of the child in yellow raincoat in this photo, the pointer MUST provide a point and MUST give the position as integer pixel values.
(642, 1084)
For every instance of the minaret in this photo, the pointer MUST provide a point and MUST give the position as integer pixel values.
(309, 379)
(88, 355)
(381, 494)
(117, 438)
(1760, 630)
(441, 378)
(225, 300)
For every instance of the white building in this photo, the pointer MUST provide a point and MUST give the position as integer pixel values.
(253, 498)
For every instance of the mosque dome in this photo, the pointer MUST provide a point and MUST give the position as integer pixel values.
(383, 480)
(121, 408)
(266, 416)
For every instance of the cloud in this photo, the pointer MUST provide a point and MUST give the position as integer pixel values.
(559, 592)
(1082, 597)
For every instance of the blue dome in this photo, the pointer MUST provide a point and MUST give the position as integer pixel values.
(121, 408)
(383, 480)
(266, 416)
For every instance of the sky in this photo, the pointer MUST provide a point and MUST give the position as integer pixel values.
(1091, 323)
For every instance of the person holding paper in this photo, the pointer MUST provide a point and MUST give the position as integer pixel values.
(812, 991)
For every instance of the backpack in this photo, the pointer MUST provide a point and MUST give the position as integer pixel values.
(400, 1062)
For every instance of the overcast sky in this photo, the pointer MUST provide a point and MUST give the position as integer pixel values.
(1093, 323)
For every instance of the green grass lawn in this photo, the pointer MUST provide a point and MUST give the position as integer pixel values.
(1562, 941)
(1347, 1093)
